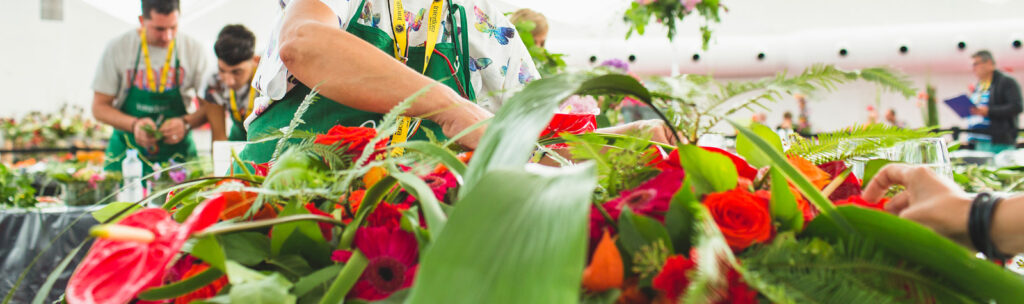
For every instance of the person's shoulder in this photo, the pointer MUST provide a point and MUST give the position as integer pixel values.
(124, 40)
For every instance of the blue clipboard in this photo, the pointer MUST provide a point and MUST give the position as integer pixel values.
(961, 105)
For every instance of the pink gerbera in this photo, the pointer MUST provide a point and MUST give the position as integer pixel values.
(393, 255)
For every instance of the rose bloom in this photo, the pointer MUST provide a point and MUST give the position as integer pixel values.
(742, 217)
(352, 139)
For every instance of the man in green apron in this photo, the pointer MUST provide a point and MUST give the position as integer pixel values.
(229, 89)
(146, 102)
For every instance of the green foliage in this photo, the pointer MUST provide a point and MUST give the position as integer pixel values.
(515, 237)
(747, 150)
(975, 179)
(785, 212)
(851, 271)
(696, 103)
(705, 170)
(671, 13)
(932, 115)
(872, 167)
(649, 259)
(548, 64)
(637, 231)
(859, 141)
(914, 244)
(16, 189)
(620, 165)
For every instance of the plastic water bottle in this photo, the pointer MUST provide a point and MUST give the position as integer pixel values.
(131, 171)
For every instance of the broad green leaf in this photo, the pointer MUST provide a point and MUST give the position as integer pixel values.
(871, 168)
(247, 248)
(708, 172)
(292, 266)
(182, 287)
(209, 250)
(397, 297)
(182, 214)
(187, 192)
(785, 211)
(517, 237)
(511, 135)
(920, 245)
(302, 238)
(106, 214)
(746, 149)
(238, 274)
(792, 174)
(636, 230)
(319, 278)
(431, 207)
(607, 297)
(679, 220)
(272, 289)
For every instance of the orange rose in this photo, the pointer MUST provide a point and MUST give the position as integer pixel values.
(742, 216)
(818, 177)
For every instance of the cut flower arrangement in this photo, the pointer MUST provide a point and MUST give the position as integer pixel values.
(340, 217)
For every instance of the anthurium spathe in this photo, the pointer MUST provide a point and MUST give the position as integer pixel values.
(605, 269)
(115, 271)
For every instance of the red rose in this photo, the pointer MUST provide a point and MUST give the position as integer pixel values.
(352, 139)
(742, 216)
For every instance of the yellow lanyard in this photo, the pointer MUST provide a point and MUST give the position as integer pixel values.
(234, 105)
(149, 66)
(401, 49)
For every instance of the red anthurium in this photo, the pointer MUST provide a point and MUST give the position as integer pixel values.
(569, 123)
(650, 198)
(671, 162)
(849, 187)
(392, 254)
(856, 200)
(115, 271)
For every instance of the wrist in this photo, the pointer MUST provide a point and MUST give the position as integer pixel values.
(135, 122)
(184, 122)
(1004, 236)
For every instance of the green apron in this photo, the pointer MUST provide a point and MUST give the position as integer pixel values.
(237, 132)
(142, 103)
(326, 113)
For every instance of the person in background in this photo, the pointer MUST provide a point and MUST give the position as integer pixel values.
(872, 115)
(997, 100)
(759, 118)
(803, 124)
(787, 122)
(890, 119)
(229, 90)
(540, 32)
(983, 222)
(145, 80)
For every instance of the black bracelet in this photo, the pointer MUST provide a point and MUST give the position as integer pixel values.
(979, 224)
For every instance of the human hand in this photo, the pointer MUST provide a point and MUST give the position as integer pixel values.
(459, 117)
(929, 200)
(656, 128)
(173, 130)
(143, 138)
(980, 110)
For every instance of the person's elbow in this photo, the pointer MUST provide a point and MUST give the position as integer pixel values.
(297, 42)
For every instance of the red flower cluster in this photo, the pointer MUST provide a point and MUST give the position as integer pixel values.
(743, 169)
(651, 198)
(673, 280)
(743, 217)
(569, 123)
(393, 256)
(352, 139)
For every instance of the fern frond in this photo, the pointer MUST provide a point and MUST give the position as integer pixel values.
(887, 80)
(856, 141)
(813, 271)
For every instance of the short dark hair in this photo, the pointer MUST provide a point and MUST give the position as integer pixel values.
(235, 44)
(162, 7)
(787, 115)
(984, 55)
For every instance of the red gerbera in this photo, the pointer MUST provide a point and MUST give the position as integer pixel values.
(392, 256)
(114, 271)
(673, 279)
(352, 139)
(849, 187)
(439, 183)
(650, 198)
(386, 215)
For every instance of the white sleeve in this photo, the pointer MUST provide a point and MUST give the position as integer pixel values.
(501, 62)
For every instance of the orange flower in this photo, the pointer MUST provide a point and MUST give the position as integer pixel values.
(605, 270)
(238, 203)
(204, 292)
(464, 157)
(374, 175)
(632, 294)
(818, 177)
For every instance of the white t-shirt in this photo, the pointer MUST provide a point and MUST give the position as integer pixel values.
(500, 64)
(118, 64)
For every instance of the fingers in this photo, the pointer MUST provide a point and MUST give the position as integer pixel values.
(898, 203)
(892, 174)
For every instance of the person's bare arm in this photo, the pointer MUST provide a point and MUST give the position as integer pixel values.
(352, 72)
(218, 125)
(104, 111)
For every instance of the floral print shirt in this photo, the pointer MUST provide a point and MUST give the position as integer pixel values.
(499, 63)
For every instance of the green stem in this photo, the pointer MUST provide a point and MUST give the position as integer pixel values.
(606, 215)
(267, 223)
(346, 279)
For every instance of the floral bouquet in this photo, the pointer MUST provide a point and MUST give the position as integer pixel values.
(342, 217)
(85, 185)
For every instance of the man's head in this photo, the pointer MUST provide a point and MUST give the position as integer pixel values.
(235, 61)
(984, 64)
(160, 21)
(540, 33)
(890, 115)
(787, 116)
